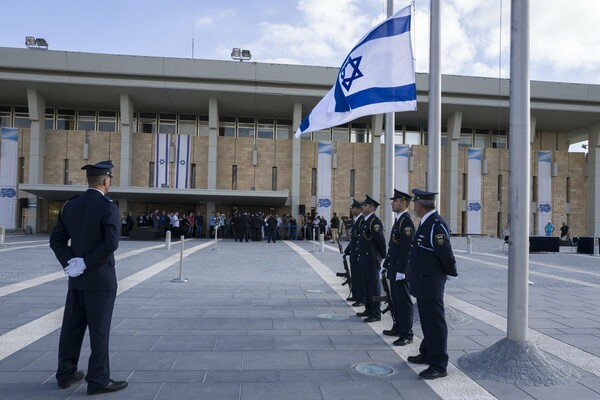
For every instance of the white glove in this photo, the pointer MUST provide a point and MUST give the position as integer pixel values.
(451, 278)
(76, 267)
(400, 276)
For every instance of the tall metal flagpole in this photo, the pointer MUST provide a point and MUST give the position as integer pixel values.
(434, 134)
(389, 155)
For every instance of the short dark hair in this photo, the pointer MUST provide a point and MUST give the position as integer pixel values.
(428, 204)
(96, 180)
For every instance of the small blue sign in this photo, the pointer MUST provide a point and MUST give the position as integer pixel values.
(474, 206)
(325, 203)
(8, 192)
(544, 207)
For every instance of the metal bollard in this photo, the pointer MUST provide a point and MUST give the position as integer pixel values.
(322, 242)
(596, 249)
(469, 245)
(314, 250)
(2, 237)
(182, 246)
(216, 248)
(168, 240)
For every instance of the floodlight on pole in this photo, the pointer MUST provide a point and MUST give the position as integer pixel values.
(34, 43)
(240, 55)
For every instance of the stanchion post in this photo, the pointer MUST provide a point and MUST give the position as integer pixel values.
(168, 240)
(314, 250)
(596, 248)
(216, 248)
(181, 248)
(2, 236)
(469, 245)
(322, 242)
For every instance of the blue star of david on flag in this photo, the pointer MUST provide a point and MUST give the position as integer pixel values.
(352, 63)
(376, 77)
(161, 161)
(182, 162)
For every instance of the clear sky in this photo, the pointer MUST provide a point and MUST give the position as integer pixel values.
(565, 35)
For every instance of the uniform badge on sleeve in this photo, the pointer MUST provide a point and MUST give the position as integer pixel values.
(440, 239)
(377, 227)
(408, 231)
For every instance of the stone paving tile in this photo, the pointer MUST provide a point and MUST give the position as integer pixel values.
(242, 376)
(504, 390)
(336, 359)
(248, 323)
(315, 375)
(297, 324)
(573, 391)
(12, 377)
(580, 340)
(209, 360)
(273, 332)
(281, 391)
(144, 361)
(228, 343)
(325, 332)
(199, 391)
(357, 342)
(185, 343)
(166, 376)
(303, 343)
(21, 359)
(126, 342)
(360, 391)
(276, 360)
(591, 382)
(414, 389)
(27, 391)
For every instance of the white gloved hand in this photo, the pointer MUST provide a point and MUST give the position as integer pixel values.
(76, 267)
(400, 276)
(451, 278)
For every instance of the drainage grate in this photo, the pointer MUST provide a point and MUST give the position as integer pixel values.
(373, 369)
(332, 316)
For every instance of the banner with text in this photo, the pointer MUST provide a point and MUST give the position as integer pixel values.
(474, 157)
(183, 161)
(544, 205)
(161, 176)
(401, 157)
(8, 177)
(324, 180)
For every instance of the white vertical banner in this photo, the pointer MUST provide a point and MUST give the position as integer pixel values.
(401, 156)
(324, 180)
(474, 157)
(544, 206)
(8, 177)
(183, 161)
(161, 177)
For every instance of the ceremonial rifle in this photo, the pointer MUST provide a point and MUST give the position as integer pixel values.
(346, 273)
(387, 298)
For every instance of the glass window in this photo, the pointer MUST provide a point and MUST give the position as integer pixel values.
(499, 140)
(187, 124)
(340, 133)
(5, 112)
(246, 127)
(22, 118)
(359, 133)
(49, 118)
(284, 128)
(203, 129)
(466, 138)
(147, 122)
(265, 128)
(167, 123)
(412, 135)
(86, 120)
(107, 121)
(227, 126)
(65, 119)
(482, 138)
(323, 135)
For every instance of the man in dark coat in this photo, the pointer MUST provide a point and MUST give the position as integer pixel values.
(271, 228)
(432, 262)
(396, 263)
(91, 222)
(358, 290)
(371, 249)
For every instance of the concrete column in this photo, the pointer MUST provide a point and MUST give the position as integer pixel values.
(451, 199)
(593, 181)
(126, 140)
(213, 134)
(296, 161)
(376, 130)
(37, 150)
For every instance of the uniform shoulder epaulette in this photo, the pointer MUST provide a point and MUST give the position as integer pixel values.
(106, 198)
(65, 203)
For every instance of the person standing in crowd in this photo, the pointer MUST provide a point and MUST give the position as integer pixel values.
(175, 225)
(244, 225)
(335, 226)
(549, 228)
(199, 224)
(348, 223)
(124, 224)
(431, 263)
(212, 222)
(371, 249)
(358, 290)
(564, 231)
(396, 264)
(271, 228)
(89, 261)
(293, 224)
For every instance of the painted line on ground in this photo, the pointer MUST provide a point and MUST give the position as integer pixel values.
(21, 337)
(457, 387)
(23, 247)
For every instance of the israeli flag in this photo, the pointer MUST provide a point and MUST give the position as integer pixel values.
(378, 76)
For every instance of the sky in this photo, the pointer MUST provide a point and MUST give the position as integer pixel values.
(565, 36)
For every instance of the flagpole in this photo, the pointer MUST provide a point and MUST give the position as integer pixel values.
(434, 135)
(390, 123)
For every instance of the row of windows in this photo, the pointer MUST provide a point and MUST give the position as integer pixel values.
(263, 128)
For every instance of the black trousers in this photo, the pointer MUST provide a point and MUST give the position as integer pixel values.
(434, 346)
(403, 307)
(370, 280)
(93, 309)
(358, 290)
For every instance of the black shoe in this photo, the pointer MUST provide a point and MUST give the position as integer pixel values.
(358, 304)
(417, 359)
(372, 319)
(350, 298)
(75, 377)
(433, 373)
(391, 332)
(113, 386)
(402, 342)
(362, 314)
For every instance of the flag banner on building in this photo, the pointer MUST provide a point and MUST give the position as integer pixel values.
(324, 180)
(544, 206)
(8, 177)
(401, 157)
(474, 157)
(161, 177)
(376, 77)
(183, 161)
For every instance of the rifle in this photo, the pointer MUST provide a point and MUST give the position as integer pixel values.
(346, 273)
(387, 298)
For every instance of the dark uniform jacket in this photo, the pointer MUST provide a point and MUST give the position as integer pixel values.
(92, 222)
(401, 239)
(370, 244)
(431, 259)
(354, 234)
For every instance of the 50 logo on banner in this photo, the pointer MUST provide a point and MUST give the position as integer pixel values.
(324, 202)
(544, 207)
(7, 192)
(474, 206)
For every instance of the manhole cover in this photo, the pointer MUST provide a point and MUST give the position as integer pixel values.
(333, 316)
(373, 369)
(314, 291)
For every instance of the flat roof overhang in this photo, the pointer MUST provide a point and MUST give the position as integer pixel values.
(167, 195)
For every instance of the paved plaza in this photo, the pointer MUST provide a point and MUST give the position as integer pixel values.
(259, 321)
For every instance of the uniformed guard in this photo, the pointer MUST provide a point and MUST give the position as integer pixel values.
(358, 291)
(432, 262)
(370, 247)
(396, 264)
(91, 222)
